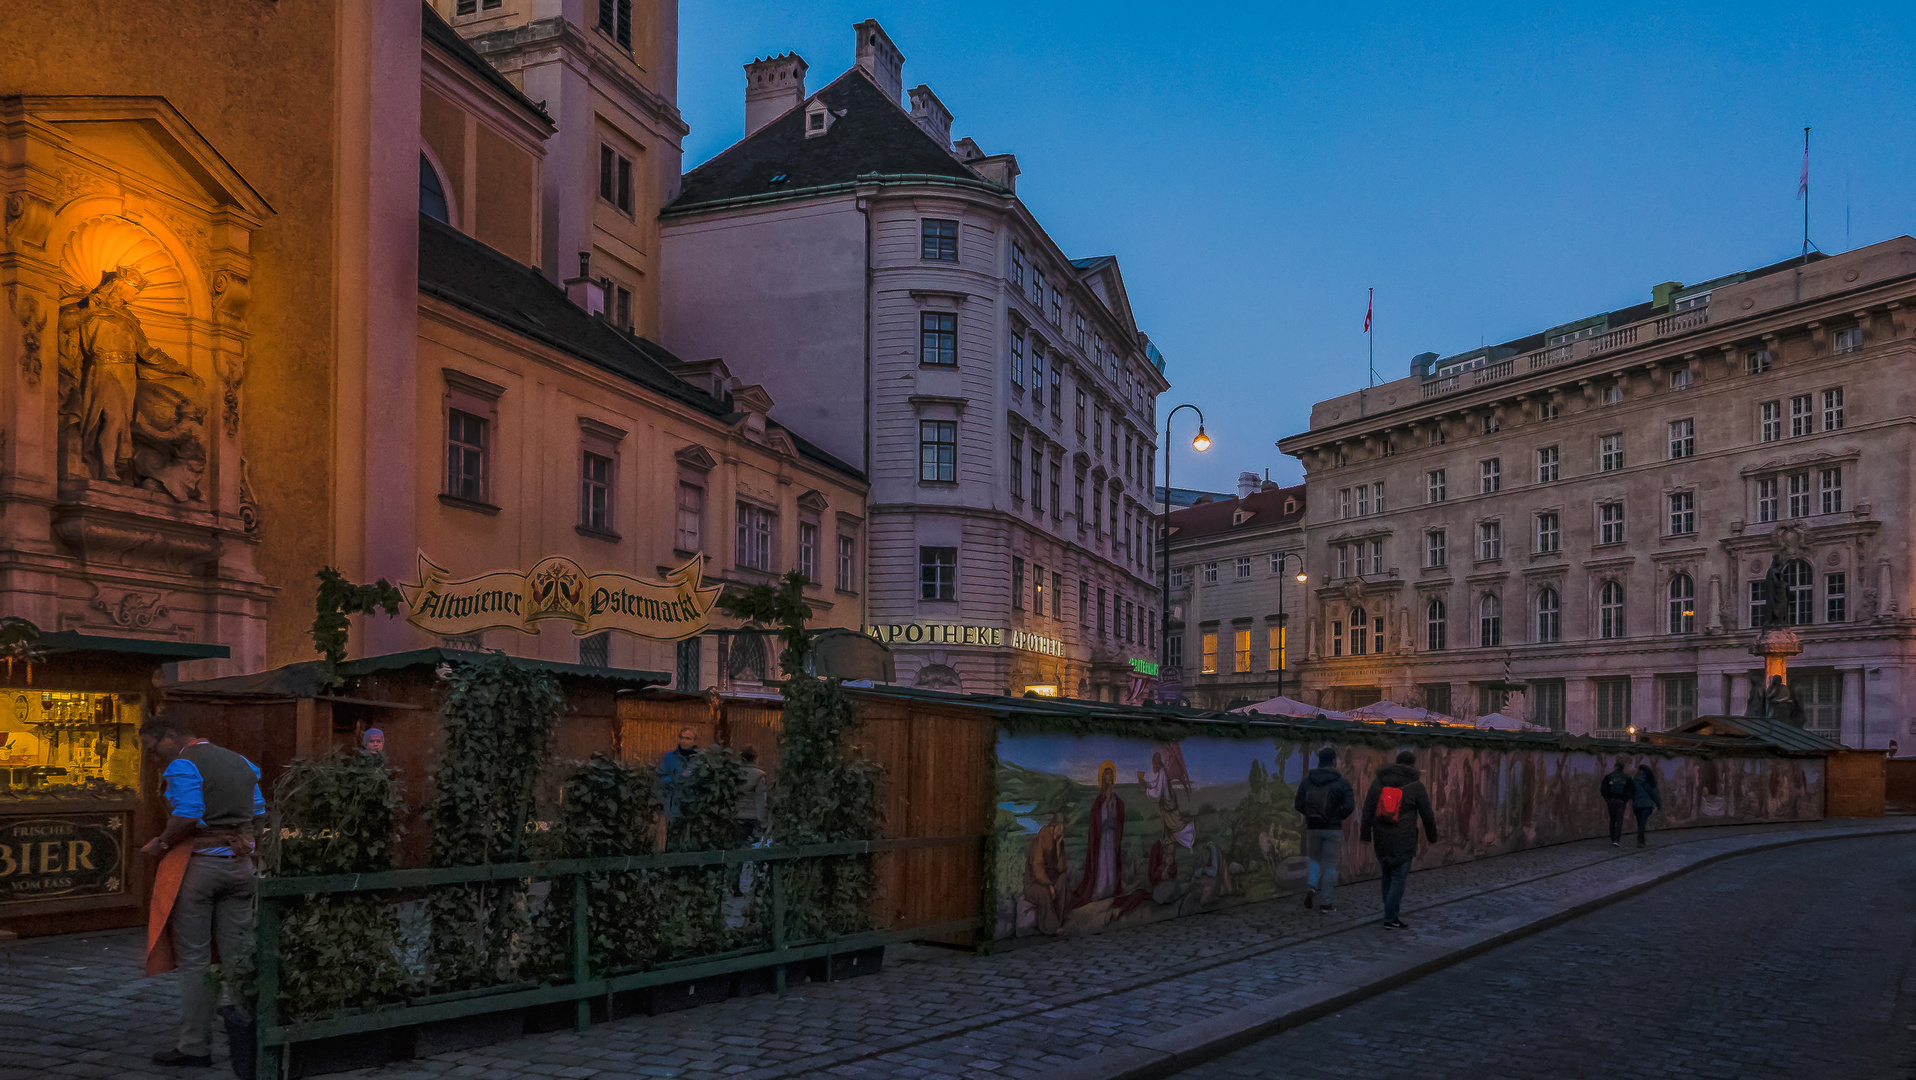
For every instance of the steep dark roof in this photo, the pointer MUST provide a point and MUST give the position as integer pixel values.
(1215, 518)
(440, 33)
(466, 273)
(869, 134)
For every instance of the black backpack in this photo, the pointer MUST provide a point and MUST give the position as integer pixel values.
(1317, 801)
(1616, 786)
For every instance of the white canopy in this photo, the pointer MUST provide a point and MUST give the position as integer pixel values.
(1283, 706)
(1504, 723)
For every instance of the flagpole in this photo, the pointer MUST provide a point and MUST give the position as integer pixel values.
(1806, 194)
(1370, 309)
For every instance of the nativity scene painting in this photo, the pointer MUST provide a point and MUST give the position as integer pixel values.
(1096, 831)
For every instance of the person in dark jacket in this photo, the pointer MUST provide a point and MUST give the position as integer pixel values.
(1645, 799)
(1326, 800)
(1616, 788)
(1395, 839)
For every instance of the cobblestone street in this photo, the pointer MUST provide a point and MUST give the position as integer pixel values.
(1021, 1012)
(1787, 964)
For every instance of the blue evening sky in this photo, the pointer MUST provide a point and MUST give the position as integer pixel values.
(1490, 168)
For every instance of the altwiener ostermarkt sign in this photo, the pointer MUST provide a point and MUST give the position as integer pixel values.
(557, 588)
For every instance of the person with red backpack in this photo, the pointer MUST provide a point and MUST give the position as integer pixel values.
(1325, 799)
(1394, 804)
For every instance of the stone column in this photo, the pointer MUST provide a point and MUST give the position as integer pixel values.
(1852, 733)
(1644, 712)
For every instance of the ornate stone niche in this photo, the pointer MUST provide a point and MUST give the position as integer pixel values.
(126, 267)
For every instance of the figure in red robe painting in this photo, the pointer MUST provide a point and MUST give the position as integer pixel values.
(1104, 843)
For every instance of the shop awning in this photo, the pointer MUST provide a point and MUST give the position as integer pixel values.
(305, 680)
(69, 642)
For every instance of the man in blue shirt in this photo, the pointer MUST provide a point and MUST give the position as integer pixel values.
(213, 803)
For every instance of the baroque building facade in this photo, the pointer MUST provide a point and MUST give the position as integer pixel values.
(1594, 509)
(898, 298)
(1235, 594)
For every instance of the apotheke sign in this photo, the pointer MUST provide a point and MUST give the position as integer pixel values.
(920, 633)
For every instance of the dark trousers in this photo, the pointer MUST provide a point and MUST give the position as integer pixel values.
(1643, 823)
(1616, 818)
(1396, 873)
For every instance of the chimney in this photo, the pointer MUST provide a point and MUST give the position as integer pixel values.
(585, 290)
(931, 115)
(1248, 483)
(881, 59)
(773, 87)
(1000, 169)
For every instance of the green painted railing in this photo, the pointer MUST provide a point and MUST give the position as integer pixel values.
(273, 1038)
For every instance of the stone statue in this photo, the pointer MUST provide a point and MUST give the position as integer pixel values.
(1776, 594)
(132, 408)
(1782, 704)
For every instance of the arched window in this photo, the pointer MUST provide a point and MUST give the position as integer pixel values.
(1610, 610)
(1360, 632)
(1682, 604)
(1490, 621)
(1434, 625)
(1802, 601)
(432, 194)
(1549, 616)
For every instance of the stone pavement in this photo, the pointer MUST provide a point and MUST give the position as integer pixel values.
(1781, 965)
(77, 1007)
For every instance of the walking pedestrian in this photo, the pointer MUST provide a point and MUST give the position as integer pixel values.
(675, 766)
(1616, 787)
(1394, 804)
(203, 890)
(751, 796)
(1326, 800)
(1645, 799)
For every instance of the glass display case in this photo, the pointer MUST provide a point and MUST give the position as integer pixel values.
(61, 744)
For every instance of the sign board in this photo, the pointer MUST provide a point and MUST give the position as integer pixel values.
(921, 633)
(62, 857)
(1144, 667)
(556, 588)
(1171, 685)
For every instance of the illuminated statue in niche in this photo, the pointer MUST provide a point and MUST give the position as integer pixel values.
(130, 408)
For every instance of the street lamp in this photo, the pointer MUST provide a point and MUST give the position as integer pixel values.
(1200, 443)
(1283, 630)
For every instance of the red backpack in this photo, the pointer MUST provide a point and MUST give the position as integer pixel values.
(1390, 802)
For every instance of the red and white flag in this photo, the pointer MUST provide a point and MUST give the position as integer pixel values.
(1372, 301)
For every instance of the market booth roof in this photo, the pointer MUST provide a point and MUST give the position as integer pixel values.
(308, 680)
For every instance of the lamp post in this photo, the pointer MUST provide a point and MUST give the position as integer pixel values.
(1201, 442)
(1283, 630)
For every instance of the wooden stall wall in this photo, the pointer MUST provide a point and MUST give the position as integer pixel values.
(937, 763)
(1857, 783)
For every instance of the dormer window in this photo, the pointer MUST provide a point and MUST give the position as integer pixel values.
(818, 118)
(816, 122)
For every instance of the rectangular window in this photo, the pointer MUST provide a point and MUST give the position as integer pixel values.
(937, 573)
(846, 549)
(1337, 637)
(1057, 483)
(1084, 604)
(1546, 703)
(937, 337)
(1210, 573)
(615, 178)
(1017, 359)
(1833, 409)
(1770, 421)
(1822, 698)
(1017, 266)
(1610, 452)
(1802, 415)
(1492, 475)
(1037, 289)
(1766, 499)
(1435, 491)
(1037, 376)
(1057, 310)
(1549, 532)
(1360, 636)
(1057, 390)
(1345, 502)
(938, 450)
(808, 551)
(1547, 465)
(1078, 419)
(1836, 598)
(1435, 697)
(1276, 660)
(1363, 500)
(1078, 499)
(1057, 595)
(1613, 394)
(622, 307)
(1017, 467)
(1178, 576)
(1436, 551)
(938, 240)
(1490, 540)
(1210, 653)
(1610, 523)
(1682, 513)
(1756, 362)
(691, 523)
(1377, 497)
(1242, 660)
(1037, 481)
(1343, 560)
(1680, 378)
(595, 491)
(1097, 429)
(1831, 483)
(1799, 494)
(1613, 702)
(1174, 649)
(466, 446)
(1017, 584)
(1376, 556)
(1679, 700)
(1102, 623)
(753, 550)
(1849, 340)
(1682, 438)
(1758, 601)
(1242, 567)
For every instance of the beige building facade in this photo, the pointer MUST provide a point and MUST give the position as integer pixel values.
(1594, 509)
(1235, 594)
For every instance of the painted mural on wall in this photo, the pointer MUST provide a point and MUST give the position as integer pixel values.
(1097, 831)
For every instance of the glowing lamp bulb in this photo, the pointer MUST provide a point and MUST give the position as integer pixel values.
(1301, 579)
(1202, 442)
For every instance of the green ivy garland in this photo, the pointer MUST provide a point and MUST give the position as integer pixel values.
(334, 601)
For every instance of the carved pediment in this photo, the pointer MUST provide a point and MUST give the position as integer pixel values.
(146, 137)
(752, 398)
(812, 501)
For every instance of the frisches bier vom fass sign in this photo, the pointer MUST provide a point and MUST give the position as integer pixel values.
(929, 633)
(678, 606)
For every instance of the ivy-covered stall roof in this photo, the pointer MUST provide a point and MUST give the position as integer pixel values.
(308, 679)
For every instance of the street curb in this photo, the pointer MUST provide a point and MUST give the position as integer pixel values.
(1181, 1048)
